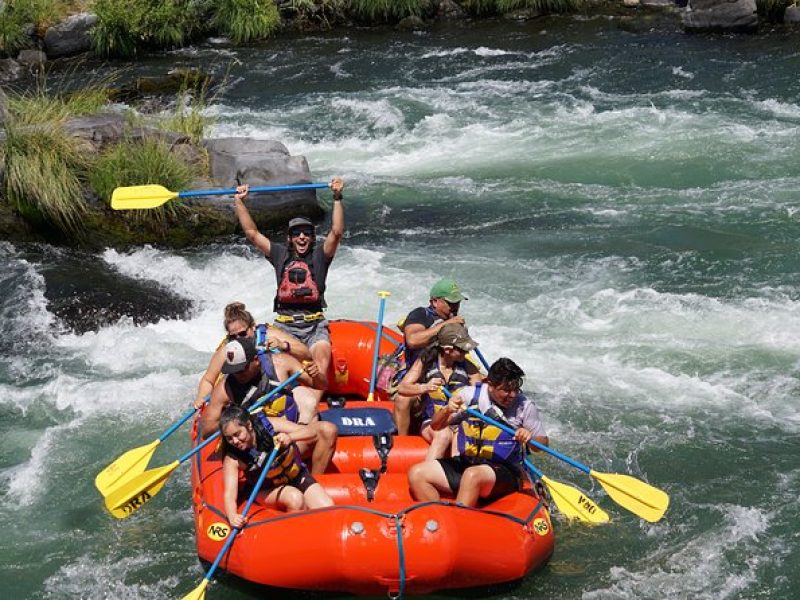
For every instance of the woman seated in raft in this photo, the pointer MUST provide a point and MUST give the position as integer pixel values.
(238, 322)
(442, 364)
(490, 461)
(247, 442)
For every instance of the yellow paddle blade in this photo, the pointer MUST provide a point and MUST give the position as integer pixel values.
(640, 498)
(574, 504)
(197, 593)
(132, 494)
(140, 196)
(126, 466)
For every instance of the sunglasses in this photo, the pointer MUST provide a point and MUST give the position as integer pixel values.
(307, 231)
(238, 334)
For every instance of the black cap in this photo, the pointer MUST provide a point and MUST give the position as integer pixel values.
(299, 221)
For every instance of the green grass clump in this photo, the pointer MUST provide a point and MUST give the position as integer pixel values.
(246, 20)
(43, 171)
(387, 10)
(141, 163)
(39, 106)
(492, 7)
(125, 27)
(16, 15)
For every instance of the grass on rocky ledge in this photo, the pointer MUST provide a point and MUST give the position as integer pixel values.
(43, 172)
(141, 163)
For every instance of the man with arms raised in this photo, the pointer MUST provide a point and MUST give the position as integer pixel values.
(301, 268)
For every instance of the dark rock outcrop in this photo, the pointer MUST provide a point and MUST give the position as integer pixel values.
(10, 70)
(720, 15)
(70, 37)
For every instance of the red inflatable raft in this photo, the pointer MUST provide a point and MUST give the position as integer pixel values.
(372, 542)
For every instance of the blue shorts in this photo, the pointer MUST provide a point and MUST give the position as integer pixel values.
(308, 333)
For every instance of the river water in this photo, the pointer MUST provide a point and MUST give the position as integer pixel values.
(620, 208)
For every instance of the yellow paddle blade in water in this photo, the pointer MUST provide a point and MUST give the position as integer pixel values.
(199, 592)
(140, 197)
(640, 498)
(574, 504)
(130, 464)
(132, 494)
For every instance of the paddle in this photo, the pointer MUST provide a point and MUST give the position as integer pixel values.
(571, 502)
(642, 499)
(129, 496)
(152, 196)
(135, 461)
(199, 592)
(482, 358)
(381, 306)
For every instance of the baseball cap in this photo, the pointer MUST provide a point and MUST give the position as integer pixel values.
(457, 336)
(300, 222)
(238, 355)
(447, 289)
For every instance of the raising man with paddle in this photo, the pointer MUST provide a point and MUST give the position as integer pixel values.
(301, 268)
(491, 460)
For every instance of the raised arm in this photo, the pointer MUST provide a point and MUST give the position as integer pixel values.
(417, 336)
(251, 232)
(337, 219)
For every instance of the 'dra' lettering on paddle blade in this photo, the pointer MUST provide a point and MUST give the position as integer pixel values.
(131, 495)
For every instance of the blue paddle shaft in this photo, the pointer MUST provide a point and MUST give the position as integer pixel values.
(376, 352)
(533, 443)
(254, 190)
(258, 404)
(482, 359)
(247, 506)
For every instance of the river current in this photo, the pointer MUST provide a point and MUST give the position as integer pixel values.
(620, 208)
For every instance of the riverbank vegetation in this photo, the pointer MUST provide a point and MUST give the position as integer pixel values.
(52, 179)
(126, 28)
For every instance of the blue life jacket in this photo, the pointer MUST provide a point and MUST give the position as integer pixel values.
(279, 406)
(483, 442)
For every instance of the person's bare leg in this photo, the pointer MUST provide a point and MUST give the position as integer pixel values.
(402, 413)
(427, 480)
(476, 482)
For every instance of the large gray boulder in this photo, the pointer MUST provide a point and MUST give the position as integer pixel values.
(71, 36)
(261, 163)
(720, 15)
(792, 14)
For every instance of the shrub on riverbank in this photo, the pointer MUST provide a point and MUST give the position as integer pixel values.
(387, 10)
(43, 173)
(246, 20)
(139, 163)
(16, 16)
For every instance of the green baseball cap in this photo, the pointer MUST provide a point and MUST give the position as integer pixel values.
(447, 289)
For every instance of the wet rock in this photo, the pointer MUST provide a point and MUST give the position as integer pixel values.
(87, 294)
(71, 36)
(448, 9)
(33, 59)
(261, 163)
(10, 70)
(720, 15)
(99, 130)
(792, 14)
(411, 23)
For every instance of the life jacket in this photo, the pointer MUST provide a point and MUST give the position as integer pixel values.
(297, 285)
(287, 464)
(246, 394)
(433, 402)
(483, 442)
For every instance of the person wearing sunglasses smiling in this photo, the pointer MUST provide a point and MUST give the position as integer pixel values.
(301, 269)
(239, 323)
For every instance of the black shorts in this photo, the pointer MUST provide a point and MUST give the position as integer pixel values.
(302, 481)
(507, 479)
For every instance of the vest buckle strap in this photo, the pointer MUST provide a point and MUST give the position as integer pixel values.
(309, 318)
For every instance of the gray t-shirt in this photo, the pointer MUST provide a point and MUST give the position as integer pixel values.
(523, 412)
